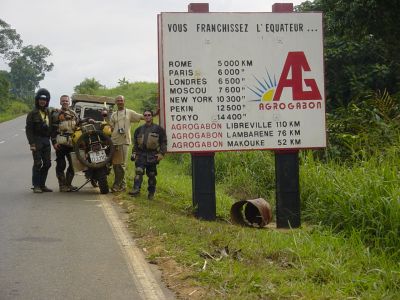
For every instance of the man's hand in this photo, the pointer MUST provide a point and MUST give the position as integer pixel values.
(133, 156)
(159, 157)
(56, 146)
(32, 147)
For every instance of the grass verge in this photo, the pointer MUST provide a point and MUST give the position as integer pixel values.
(218, 260)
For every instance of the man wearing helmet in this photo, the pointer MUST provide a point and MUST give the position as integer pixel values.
(38, 134)
(64, 122)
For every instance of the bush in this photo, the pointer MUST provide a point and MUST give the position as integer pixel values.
(18, 108)
(364, 197)
(246, 174)
(357, 131)
(12, 110)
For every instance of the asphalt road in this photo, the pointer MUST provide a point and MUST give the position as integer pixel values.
(61, 245)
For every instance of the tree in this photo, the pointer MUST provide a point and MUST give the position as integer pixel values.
(28, 65)
(27, 69)
(150, 102)
(362, 53)
(9, 40)
(4, 89)
(88, 86)
(123, 81)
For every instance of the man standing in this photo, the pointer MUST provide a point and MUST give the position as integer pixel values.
(150, 146)
(64, 122)
(38, 134)
(121, 121)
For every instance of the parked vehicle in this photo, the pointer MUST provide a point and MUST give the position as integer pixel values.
(90, 106)
(93, 148)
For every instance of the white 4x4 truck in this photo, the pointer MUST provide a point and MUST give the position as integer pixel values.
(90, 106)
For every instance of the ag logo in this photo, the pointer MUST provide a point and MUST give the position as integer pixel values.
(296, 64)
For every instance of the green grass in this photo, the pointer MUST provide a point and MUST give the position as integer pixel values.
(13, 110)
(364, 197)
(135, 93)
(313, 262)
(347, 248)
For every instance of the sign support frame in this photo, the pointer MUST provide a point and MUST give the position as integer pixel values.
(203, 164)
(286, 159)
(287, 187)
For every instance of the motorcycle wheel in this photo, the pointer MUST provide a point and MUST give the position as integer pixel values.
(93, 182)
(83, 160)
(102, 182)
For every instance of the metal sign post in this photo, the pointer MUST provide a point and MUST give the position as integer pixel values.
(203, 167)
(287, 171)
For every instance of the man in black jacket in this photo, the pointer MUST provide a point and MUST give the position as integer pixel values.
(150, 146)
(38, 133)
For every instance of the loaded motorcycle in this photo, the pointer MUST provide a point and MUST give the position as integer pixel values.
(93, 148)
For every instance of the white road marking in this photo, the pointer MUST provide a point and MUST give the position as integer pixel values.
(1, 142)
(147, 285)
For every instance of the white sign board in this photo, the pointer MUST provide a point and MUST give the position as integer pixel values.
(240, 81)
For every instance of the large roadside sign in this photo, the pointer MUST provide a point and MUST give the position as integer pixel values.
(241, 81)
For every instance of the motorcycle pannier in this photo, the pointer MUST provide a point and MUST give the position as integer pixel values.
(76, 164)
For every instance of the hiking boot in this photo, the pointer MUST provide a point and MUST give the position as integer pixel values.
(117, 189)
(45, 189)
(150, 196)
(37, 190)
(135, 192)
(64, 189)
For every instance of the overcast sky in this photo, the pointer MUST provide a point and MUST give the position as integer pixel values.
(104, 39)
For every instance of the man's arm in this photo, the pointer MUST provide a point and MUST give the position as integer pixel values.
(135, 139)
(134, 116)
(163, 141)
(29, 131)
(54, 123)
(135, 147)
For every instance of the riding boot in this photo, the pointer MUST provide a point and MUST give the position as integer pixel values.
(119, 178)
(137, 183)
(151, 184)
(68, 180)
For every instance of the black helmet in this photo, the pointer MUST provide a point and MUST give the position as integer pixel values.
(42, 94)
